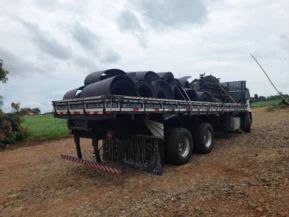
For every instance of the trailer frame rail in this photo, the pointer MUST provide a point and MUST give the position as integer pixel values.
(114, 104)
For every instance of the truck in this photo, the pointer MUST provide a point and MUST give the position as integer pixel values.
(146, 133)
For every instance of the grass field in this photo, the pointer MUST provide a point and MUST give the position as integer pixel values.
(265, 103)
(44, 127)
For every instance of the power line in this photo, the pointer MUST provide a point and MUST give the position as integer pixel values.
(165, 22)
(273, 58)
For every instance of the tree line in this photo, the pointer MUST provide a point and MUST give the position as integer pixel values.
(274, 97)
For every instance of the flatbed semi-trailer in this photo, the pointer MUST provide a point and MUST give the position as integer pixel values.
(146, 132)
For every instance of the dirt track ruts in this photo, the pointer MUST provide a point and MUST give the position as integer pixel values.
(244, 175)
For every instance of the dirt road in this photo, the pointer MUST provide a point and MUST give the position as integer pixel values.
(245, 175)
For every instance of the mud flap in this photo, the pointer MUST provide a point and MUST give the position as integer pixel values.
(142, 152)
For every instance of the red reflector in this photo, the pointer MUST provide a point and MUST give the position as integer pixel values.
(135, 109)
(198, 109)
(95, 113)
(157, 109)
(187, 109)
(109, 135)
(108, 112)
(88, 113)
(76, 113)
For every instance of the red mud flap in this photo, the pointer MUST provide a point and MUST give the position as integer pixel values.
(91, 164)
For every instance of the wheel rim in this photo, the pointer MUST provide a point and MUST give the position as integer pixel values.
(208, 138)
(184, 146)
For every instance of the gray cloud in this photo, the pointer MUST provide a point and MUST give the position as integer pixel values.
(284, 40)
(175, 12)
(128, 21)
(111, 56)
(178, 13)
(16, 65)
(46, 43)
(48, 5)
(71, 6)
(87, 63)
(85, 37)
(91, 42)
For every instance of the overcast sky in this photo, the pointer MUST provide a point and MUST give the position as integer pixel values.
(50, 46)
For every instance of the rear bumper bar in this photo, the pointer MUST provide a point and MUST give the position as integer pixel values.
(90, 164)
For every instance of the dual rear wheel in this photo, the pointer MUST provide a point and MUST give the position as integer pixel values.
(181, 143)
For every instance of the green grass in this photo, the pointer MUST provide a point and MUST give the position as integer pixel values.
(265, 103)
(45, 127)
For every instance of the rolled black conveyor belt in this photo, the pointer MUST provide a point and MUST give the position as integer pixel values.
(145, 89)
(73, 93)
(163, 89)
(118, 85)
(101, 75)
(177, 82)
(167, 76)
(184, 81)
(203, 96)
(132, 76)
(145, 75)
(178, 92)
(191, 93)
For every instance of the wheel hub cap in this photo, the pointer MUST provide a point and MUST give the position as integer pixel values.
(208, 138)
(184, 146)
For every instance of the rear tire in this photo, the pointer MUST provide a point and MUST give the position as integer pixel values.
(246, 123)
(179, 146)
(204, 138)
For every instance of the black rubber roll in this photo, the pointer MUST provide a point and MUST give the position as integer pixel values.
(132, 76)
(145, 75)
(73, 93)
(145, 89)
(167, 76)
(118, 85)
(184, 81)
(191, 93)
(177, 82)
(178, 92)
(163, 89)
(203, 96)
(101, 75)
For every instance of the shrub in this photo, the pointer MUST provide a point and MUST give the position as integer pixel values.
(275, 106)
(11, 129)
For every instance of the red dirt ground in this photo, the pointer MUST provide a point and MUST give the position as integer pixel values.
(244, 175)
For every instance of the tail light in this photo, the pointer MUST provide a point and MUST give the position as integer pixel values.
(109, 135)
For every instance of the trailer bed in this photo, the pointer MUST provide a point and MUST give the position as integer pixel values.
(136, 131)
